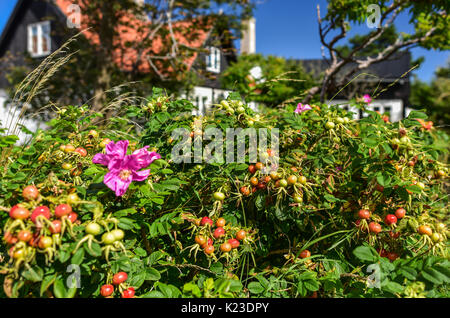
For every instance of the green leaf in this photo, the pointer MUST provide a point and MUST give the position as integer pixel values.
(92, 170)
(140, 252)
(370, 142)
(78, 257)
(34, 274)
(263, 281)
(158, 200)
(222, 285)
(301, 289)
(235, 285)
(169, 291)
(445, 271)
(217, 268)
(152, 274)
(408, 272)
(392, 287)
(64, 253)
(153, 294)
(126, 223)
(95, 250)
(414, 188)
(124, 212)
(255, 288)
(308, 275)
(46, 283)
(59, 291)
(193, 289)
(366, 253)
(154, 257)
(311, 284)
(137, 279)
(383, 179)
(416, 114)
(330, 198)
(433, 276)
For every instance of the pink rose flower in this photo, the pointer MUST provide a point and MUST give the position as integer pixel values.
(302, 108)
(123, 168)
(367, 99)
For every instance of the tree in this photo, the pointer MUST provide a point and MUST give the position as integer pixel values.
(435, 97)
(275, 80)
(149, 42)
(430, 22)
(365, 83)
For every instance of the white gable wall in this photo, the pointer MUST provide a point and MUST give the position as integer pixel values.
(9, 118)
(392, 106)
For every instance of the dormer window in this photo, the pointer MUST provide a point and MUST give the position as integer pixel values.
(213, 60)
(39, 43)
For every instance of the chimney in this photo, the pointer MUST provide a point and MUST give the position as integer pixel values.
(140, 4)
(248, 41)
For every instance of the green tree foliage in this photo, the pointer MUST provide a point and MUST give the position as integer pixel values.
(280, 81)
(103, 60)
(429, 18)
(387, 38)
(434, 96)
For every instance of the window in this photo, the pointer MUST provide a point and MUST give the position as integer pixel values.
(213, 60)
(39, 42)
(387, 111)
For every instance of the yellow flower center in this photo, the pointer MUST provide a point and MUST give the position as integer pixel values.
(124, 174)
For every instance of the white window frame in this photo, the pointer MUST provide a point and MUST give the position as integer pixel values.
(213, 60)
(40, 35)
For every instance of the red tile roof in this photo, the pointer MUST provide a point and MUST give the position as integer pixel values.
(136, 29)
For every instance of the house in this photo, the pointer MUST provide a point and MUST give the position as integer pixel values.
(217, 62)
(36, 28)
(388, 80)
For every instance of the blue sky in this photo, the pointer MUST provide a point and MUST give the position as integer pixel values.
(289, 28)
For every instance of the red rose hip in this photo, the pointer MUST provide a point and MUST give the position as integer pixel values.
(374, 227)
(364, 214)
(119, 278)
(18, 212)
(305, 254)
(390, 219)
(40, 210)
(62, 209)
(30, 193)
(106, 290)
(234, 243)
(206, 220)
(400, 213)
(219, 232)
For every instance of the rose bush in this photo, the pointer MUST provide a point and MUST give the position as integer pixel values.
(354, 208)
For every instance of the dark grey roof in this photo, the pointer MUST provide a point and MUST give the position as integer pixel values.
(18, 7)
(388, 70)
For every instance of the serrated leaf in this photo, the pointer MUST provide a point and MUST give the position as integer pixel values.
(152, 274)
(255, 288)
(78, 256)
(366, 253)
(311, 284)
(393, 287)
(34, 274)
(46, 283)
(408, 272)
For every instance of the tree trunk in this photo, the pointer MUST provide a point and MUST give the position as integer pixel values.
(103, 84)
(311, 92)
